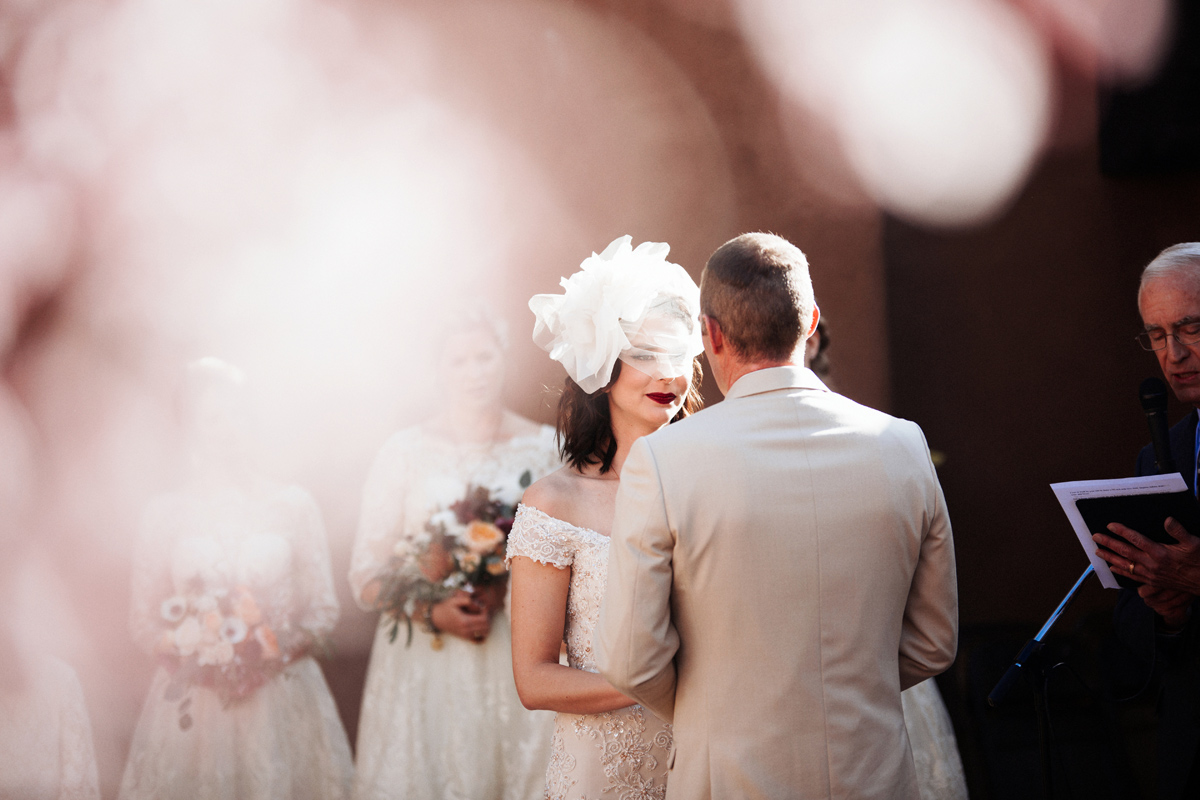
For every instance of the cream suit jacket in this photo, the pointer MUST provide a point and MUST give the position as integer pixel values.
(781, 566)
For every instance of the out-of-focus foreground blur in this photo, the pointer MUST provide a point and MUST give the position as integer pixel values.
(310, 189)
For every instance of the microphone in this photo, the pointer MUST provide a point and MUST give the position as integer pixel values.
(1153, 394)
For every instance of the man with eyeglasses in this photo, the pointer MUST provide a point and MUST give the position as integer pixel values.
(1157, 619)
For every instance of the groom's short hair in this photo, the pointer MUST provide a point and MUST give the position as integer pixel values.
(758, 288)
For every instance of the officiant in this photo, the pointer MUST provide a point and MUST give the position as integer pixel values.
(1158, 620)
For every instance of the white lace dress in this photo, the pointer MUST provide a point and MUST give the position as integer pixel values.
(46, 748)
(284, 741)
(443, 723)
(934, 748)
(619, 754)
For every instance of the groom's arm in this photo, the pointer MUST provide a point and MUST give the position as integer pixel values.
(635, 642)
(929, 637)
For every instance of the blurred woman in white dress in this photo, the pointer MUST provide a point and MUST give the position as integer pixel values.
(440, 715)
(233, 593)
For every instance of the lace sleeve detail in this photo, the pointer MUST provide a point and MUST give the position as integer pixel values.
(540, 537)
(381, 517)
(150, 576)
(317, 603)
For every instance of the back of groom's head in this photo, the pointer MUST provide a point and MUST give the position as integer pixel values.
(758, 289)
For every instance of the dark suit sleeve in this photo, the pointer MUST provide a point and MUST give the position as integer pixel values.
(1134, 621)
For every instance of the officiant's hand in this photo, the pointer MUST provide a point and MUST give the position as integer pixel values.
(1174, 607)
(461, 616)
(1164, 566)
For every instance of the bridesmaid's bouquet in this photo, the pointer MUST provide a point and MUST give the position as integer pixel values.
(460, 549)
(219, 638)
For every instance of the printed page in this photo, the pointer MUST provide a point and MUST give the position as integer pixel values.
(1068, 493)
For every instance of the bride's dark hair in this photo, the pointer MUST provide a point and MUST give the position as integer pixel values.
(585, 428)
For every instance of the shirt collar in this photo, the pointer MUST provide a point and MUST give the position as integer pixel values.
(772, 379)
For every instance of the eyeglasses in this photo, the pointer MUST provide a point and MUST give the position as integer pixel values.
(1156, 339)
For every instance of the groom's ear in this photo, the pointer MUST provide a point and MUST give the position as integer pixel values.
(712, 329)
(816, 317)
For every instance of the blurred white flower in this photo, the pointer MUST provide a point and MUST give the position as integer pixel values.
(448, 521)
(233, 630)
(205, 603)
(187, 636)
(442, 490)
(218, 654)
(509, 493)
(173, 608)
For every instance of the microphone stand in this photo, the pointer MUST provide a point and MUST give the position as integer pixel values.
(1030, 656)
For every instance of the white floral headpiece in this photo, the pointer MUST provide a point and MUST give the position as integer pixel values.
(590, 325)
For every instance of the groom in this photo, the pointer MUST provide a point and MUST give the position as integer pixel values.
(781, 563)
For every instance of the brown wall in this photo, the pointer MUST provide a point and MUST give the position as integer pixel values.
(1012, 345)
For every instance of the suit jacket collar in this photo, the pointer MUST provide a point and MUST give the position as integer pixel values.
(773, 379)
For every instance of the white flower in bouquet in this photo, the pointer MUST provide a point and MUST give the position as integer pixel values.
(205, 604)
(233, 630)
(447, 520)
(442, 490)
(173, 608)
(187, 636)
(469, 561)
(217, 655)
(509, 492)
(404, 549)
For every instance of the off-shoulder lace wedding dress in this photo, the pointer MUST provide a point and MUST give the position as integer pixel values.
(285, 741)
(443, 724)
(620, 754)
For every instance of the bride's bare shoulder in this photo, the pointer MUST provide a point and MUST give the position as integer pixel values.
(556, 494)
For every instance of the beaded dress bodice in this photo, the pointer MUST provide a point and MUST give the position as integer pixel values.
(552, 541)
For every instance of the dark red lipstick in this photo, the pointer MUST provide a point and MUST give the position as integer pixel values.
(662, 398)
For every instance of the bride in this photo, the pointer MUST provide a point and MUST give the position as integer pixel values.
(627, 331)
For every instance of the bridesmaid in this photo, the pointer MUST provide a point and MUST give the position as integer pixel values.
(233, 593)
(440, 715)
